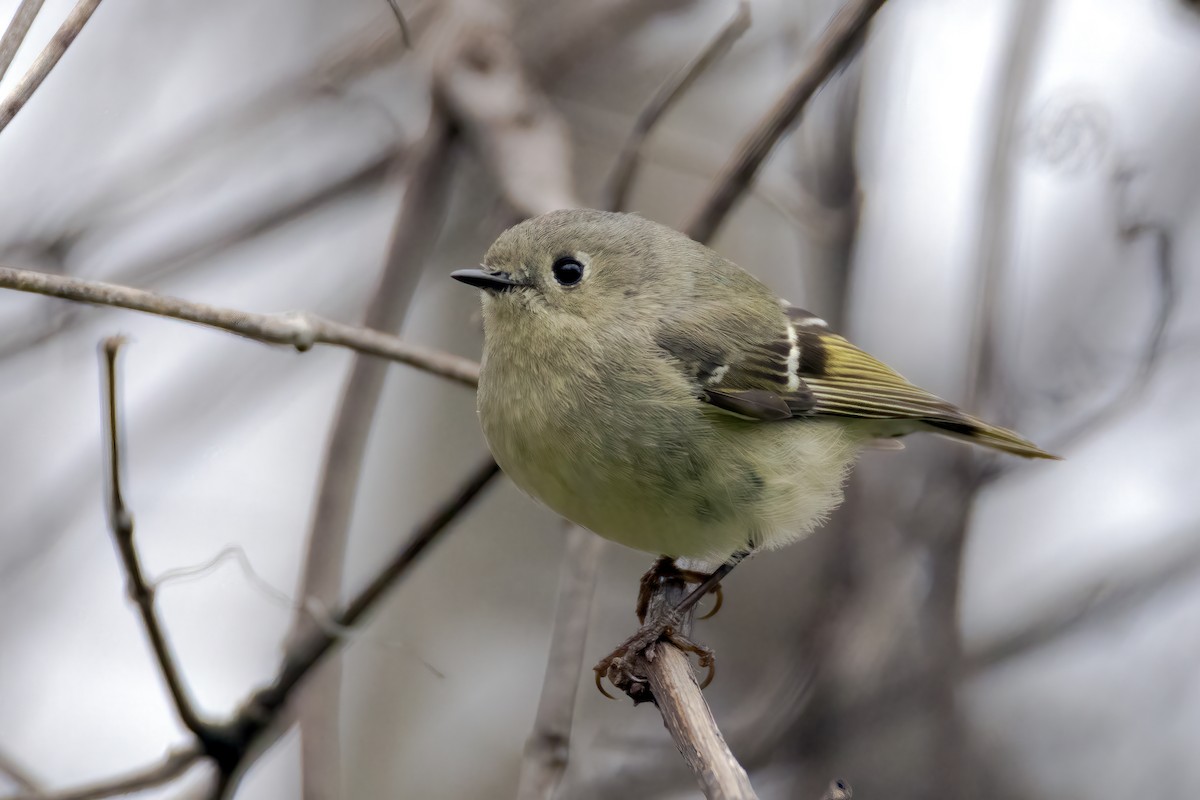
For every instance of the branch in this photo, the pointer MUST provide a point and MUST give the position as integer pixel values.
(519, 136)
(121, 524)
(684, 710)
(416, 230)
(629, 159)
(46, 60)
(835, 45)
(546, 750)
(256, 719)
(301, 330)
(17, 774)
(176, 764)
(15, 34)
(234, 744)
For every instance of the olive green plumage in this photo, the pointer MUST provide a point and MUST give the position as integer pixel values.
(645, 387)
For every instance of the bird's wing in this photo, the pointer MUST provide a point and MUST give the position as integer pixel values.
(807, 371)
(747, 367)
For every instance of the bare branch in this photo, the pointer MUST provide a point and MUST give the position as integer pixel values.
(17, 774)
(629, 159)
(405, 33)
(835, 45)
(684, 710)
(996, 211)
(548, 746)
(46, 60)
(234, 744)
(296, 329)
(417, 226)
(176, 764)
(121, 523)
(520, 137)
(14, 35)
(257, 718)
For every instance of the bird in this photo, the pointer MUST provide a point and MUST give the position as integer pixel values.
(652, 391)
(657, 394)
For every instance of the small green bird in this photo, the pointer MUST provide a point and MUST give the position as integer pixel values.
(650, 390)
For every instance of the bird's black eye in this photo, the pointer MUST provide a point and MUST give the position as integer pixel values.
(567, 271)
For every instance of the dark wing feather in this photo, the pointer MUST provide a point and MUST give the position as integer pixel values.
(805, 370)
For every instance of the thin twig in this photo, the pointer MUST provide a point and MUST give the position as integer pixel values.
(418, 223)
(176, 764)
(301, 330)
(17, 774)
(233, 745)
(405, 33)
(257, 716)
(46, 61)
(548, 746)
(835, 45)
(121, 525)
(629, 159)
(361, 177)
(14, 35)
(684, 710)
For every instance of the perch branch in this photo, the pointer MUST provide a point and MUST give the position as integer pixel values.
(546, 750)
(14, 35)
(835, 45)
(301, 330)
(46, 60)
(629, 159)
(684, 710)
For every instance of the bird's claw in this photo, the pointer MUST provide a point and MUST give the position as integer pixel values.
(617, 666)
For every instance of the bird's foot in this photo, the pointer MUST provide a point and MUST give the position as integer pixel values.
(661, 622)
(618, 666)
(665, 569)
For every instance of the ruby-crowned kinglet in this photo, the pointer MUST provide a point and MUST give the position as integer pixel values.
(650, 390)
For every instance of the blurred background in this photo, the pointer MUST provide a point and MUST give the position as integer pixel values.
(1000, 198)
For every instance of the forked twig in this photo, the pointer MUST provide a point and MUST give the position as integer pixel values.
(120, 522)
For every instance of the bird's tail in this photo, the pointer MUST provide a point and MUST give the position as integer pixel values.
(976, 431)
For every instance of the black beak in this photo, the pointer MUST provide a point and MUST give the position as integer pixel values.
(492, 281)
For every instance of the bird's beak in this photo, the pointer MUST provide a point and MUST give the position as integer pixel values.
(491, 281)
